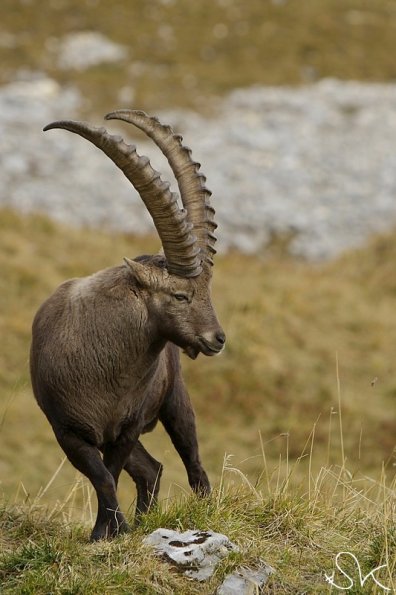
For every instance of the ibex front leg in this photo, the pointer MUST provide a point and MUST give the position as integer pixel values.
(178, 418)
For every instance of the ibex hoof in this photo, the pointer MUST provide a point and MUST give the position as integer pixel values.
(110, 530)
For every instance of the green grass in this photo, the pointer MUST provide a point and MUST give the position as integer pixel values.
(185, 53)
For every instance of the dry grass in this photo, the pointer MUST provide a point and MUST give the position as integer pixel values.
(278, 378)
(185, 53)
(301, 486)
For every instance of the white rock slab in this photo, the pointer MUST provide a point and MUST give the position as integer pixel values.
(195, 553)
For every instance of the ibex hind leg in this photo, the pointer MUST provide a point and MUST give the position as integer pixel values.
(178, 419)
(86, 458)
(146, 473)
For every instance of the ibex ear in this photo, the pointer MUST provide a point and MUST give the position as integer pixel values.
(139, 271)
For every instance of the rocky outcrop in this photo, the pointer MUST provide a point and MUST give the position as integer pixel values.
(315, 164)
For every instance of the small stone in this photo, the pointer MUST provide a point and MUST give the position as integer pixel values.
(246, 581)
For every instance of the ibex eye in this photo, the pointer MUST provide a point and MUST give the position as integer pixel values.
(181, 297)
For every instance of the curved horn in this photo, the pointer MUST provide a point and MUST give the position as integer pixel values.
(194, 194)
(179, 244)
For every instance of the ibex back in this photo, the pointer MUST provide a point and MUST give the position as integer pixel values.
(105, 348)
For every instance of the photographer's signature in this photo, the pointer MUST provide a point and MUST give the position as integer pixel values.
(371, 576)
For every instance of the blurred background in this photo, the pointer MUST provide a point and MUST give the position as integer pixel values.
(290, 105)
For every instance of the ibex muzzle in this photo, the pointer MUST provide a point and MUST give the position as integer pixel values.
(104, 356)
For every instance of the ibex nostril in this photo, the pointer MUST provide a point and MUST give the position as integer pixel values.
(220, 337)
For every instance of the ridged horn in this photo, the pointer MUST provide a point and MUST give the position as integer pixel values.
(179, 244)
(194, 194)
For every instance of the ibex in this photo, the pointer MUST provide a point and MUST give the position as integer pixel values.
(105, 348)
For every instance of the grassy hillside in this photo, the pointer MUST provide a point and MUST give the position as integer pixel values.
(295, 482)
(304, 344)
(184, 53)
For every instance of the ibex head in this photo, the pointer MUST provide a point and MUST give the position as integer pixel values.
(175, 285)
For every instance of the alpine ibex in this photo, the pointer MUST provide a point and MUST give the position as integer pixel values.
(105, 348)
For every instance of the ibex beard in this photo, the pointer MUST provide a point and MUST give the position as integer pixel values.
(105, 353)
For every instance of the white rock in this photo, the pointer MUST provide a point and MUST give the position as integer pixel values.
(246, 581)
(195, 553)
(84, 49)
